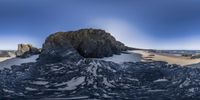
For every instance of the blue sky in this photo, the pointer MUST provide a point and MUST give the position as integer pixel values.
(159, 24)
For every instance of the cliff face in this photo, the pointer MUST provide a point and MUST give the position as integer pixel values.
(87, 43)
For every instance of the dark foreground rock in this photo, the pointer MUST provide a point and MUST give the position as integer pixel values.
(89, 43)
(101, 80)
(26, 50)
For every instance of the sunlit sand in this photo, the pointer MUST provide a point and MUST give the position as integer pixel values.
(4, 58)
(180, 60)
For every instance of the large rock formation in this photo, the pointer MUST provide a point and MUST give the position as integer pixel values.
(26, 50)
(85, 78)
(89, 43)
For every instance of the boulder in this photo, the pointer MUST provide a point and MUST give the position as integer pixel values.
(88, 43)
(26, 50)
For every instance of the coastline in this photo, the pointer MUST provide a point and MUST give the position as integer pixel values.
(171, 59)
(5, 58)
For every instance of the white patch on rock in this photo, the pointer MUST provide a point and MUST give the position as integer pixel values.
(156, 90)
(185, 83)
(30, 89)
(93, 68)
(105, 81)
(70, 98)
(160, 80)
(133, 79)
(55, 68)
(79, 62)
(192, 90)
(8, 91)
(72, 84)
(40, 82)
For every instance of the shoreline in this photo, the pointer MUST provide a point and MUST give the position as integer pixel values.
(171, 59)
(5, 58)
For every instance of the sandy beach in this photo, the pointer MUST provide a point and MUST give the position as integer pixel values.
(180, 60)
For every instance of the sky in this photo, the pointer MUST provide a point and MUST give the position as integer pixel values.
(150, 24)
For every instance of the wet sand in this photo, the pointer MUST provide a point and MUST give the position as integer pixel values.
(171, 59)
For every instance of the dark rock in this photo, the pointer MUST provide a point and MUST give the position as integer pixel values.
(57, 49)
(95, 79)
(26, 50)
(89, 43)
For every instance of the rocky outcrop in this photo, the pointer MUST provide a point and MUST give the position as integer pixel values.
(26, 50)
(89, 43)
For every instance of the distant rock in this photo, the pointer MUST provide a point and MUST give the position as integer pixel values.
(26, 50)
(89, 43)
(196, 56)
